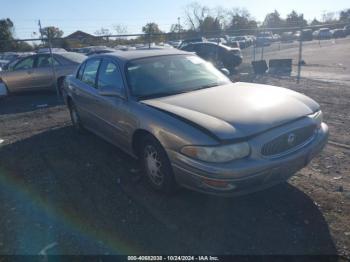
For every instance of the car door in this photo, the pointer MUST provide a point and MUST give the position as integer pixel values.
(43, 76)
(20, 77)
(188, 48)
(112, 105)
(84, 91)
(211, 51)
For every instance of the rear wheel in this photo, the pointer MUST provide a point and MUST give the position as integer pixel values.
(60, 83)
(156, 166)
(75, 118)
(4, 91)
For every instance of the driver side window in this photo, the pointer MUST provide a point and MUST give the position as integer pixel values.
(26, 63)
(109, 76)
(90, 72)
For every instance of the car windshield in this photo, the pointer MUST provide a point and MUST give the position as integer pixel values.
(10, 57)
(169, 75)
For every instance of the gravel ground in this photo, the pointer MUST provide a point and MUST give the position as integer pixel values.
(66, 193)
(326, 60)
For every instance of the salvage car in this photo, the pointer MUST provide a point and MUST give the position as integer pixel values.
(35, 71)
(322, 34)
(347, 30)
(8, 57)
(221, 56)
(192, 40)
(190, 126)
(287, 37)
(47, 50)
(243, 41)
(338, 33)
(14, 59)
(306, 35)
(218, 40)
(264, 39)
(101, 50)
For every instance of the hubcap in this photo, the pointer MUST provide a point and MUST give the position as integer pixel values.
(153, 165)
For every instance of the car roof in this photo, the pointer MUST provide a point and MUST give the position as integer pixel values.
(213, 44)
(206, 43)
(137, 54)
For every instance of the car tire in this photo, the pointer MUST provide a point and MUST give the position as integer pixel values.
(75, 118)
(156, 166)
(4, 91)
(60, 84)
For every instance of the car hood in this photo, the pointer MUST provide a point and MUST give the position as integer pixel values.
(237, 110)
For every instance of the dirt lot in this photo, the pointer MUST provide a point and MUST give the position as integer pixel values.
(326, 60)
(65, 193)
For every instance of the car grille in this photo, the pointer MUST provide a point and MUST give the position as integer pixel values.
(288, 141)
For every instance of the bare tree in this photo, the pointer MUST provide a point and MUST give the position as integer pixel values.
(50, 32)
(240, 18)
(222, 15)
(329, 17)
(203, 19)
(120, 29)
(102, 31)
(345, 16)
(153, 29)
(195, 15)
(274, 19)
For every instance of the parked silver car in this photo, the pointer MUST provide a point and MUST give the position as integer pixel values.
(190, 125)
(35, 71)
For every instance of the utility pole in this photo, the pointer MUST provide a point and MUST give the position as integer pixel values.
(51, 56)
(262, 48)
(40, 30)
(300, 54)
(179, 27)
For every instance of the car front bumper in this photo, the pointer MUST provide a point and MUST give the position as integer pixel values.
(246, 175)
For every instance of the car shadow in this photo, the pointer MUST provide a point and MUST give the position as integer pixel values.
(28, 101)
(77, 194)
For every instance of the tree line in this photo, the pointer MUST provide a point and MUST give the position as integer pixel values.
(200, 18)
(197, 20)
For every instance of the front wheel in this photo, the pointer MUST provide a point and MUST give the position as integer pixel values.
(156, 166)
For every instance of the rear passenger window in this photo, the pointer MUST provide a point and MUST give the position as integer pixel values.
(90, 72)
(46, 61)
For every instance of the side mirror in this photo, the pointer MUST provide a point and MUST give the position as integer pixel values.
(225, 71)
(110, 91)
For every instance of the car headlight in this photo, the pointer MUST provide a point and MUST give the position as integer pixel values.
(217, 154)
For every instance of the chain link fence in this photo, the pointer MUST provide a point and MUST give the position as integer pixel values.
(318, 52)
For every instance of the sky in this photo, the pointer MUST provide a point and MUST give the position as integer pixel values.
(91, 15)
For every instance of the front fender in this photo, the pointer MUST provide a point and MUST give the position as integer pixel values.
(170, 131)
